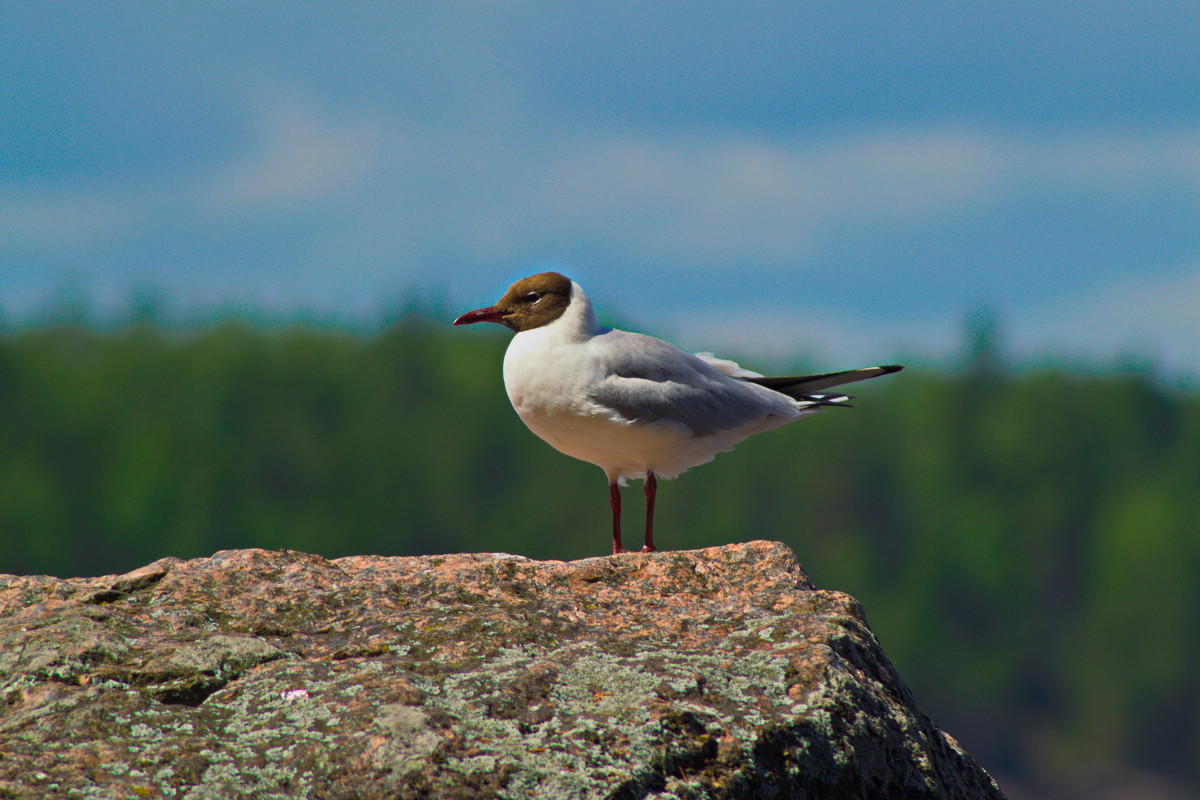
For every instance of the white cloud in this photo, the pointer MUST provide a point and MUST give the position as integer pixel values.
(731, 197)
(774, 339)
(1102, 160)
(62, 221)
(919, 173)
(725, 197)
(1153, 316)
(300, 157)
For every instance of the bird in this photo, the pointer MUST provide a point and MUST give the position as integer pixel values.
(636, 406)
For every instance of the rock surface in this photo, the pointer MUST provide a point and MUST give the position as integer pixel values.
(716, 673)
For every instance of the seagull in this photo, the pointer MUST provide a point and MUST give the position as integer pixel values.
(636, 406)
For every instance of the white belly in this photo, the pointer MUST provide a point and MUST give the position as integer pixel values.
(622, 449)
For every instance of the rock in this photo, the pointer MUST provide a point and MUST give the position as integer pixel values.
(716, 673)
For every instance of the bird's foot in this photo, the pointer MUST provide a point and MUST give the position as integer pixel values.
(649, 548)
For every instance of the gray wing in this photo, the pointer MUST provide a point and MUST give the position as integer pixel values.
(649, 380)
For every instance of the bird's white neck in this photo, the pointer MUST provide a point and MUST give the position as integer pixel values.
(578, 323)
(529, 349)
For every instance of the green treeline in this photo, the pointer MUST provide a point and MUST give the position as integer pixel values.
(1026, 546)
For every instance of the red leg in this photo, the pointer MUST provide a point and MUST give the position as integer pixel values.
(651, 490)
(614, 500)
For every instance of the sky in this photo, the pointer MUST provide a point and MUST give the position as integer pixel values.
(840, 182)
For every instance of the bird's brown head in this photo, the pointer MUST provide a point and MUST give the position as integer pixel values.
(529, 303)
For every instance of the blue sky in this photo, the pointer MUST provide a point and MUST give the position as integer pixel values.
(838, 181)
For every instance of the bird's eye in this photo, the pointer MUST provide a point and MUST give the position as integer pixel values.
(533, 298)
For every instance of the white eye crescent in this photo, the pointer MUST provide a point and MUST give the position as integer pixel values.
(533, 298)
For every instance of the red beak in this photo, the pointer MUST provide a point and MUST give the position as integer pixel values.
(489, 314)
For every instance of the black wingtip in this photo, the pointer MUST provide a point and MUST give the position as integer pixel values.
(797, 385)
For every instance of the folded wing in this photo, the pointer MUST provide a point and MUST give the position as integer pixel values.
(649, 380)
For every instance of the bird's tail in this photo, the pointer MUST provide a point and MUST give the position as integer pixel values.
(813, 399)
(807, 388)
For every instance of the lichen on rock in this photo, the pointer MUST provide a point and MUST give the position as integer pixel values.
(715, 673)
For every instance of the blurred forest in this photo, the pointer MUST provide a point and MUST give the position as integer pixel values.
(1025, 543)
